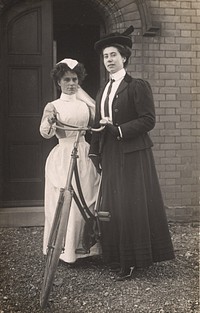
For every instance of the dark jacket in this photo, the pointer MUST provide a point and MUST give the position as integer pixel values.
(133, 110)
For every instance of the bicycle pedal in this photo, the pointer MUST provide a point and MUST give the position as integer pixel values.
(82, 251)
(104, 216)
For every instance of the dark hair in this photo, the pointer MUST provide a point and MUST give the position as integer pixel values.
(60, 69)
(123, 50)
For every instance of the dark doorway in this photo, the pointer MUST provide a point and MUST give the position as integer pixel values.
(76, 27)
(31, 27)
(26, 52)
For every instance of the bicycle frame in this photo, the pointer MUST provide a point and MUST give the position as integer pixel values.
(67, 187)
(56, 242)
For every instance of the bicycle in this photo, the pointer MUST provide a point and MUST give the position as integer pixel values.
(56, 242)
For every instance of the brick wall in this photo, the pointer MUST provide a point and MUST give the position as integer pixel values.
(176, 92)
(170, 61)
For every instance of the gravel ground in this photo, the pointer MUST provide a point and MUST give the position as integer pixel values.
(166, 287)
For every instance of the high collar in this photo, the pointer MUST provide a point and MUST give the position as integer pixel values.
(118, 75)
(66, 97)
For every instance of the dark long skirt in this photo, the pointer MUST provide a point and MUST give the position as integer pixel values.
(138, 233)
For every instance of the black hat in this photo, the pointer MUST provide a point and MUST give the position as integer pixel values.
(115, 38)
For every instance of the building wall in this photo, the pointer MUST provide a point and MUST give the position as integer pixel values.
(172, 65)
(174, 58)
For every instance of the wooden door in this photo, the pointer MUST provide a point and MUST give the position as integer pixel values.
(27, 61)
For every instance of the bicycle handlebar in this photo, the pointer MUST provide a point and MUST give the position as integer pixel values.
(69, 127)
(80, 128)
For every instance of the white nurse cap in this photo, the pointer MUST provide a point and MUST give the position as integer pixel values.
(70, 62)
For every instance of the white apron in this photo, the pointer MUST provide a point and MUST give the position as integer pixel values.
(75, 112)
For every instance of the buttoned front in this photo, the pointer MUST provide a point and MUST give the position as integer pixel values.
(130, 187)
(137, 234)
(116, 80)
(133, 111)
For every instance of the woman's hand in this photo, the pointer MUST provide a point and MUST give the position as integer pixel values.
(52, 118)
(112, 129)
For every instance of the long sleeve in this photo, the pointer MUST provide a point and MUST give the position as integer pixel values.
(45, 128)
(144, 105)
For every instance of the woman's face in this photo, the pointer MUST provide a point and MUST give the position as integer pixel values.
(113, 60)
(69, 83)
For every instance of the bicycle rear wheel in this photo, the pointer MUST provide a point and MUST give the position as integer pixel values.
(55, 247)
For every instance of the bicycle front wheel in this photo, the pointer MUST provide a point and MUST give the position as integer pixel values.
(55, 247)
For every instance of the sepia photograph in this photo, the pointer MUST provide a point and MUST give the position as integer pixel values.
(100, 156)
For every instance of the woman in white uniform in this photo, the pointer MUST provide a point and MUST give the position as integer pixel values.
(74, 107)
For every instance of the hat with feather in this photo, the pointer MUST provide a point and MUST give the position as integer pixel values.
(115, 38)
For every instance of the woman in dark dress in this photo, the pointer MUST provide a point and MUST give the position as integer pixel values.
(137, 234)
